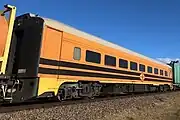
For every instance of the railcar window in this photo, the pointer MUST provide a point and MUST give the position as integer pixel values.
(133, 65)
(93, 57)
(77, 53)
(109, 60)
(142, 67)
(123, 63)
(149, 69)
(161, 72)
(155, 71)
(166, 74)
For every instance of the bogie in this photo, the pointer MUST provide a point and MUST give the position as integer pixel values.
(96, 89)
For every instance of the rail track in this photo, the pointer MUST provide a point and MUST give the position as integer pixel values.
(5, 108)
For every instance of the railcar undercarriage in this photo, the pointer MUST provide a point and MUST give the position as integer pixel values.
(95, 89)
(8, 86)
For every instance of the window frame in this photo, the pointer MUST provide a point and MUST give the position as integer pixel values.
(161, 72)
(157, 71)
(135, 63)
(74, 53)
(106, 62)
(144, 68)
(150, 68)
(166, 73)
(91, 60)
(125, 66)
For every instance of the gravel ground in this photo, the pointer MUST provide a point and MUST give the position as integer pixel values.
(156, 107)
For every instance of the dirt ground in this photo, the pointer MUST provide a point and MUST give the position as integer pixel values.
(162, 107)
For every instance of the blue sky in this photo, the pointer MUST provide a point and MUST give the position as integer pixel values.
(149, 27)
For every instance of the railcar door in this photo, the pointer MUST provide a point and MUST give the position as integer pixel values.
(51, 49)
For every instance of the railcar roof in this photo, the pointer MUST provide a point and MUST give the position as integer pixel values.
(63, 27)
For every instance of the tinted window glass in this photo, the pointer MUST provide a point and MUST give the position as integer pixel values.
(161, 72)
(166, 73)
(93, 56)
(142, 67)
(109, 60)
(123, 63)
(77, 53)
(133, 65)
(149, 69)
(155, 71)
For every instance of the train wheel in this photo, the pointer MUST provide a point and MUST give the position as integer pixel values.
(161, 88)
(61, 95)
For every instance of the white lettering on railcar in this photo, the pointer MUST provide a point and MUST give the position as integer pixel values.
(21, 70)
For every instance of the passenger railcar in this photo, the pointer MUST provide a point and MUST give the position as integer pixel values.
(47, 58)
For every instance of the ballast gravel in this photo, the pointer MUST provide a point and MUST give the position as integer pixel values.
(155, 107)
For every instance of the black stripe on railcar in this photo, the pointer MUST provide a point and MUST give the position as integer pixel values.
(90, 74)
(91, 67)
(83, 66)
(80, 73)
(147, 75)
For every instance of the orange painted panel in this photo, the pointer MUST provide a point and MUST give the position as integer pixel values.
(67, 50)
(70, 41)
(51, 44)
(3, 34)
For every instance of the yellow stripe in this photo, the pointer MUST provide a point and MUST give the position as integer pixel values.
(12, 17)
